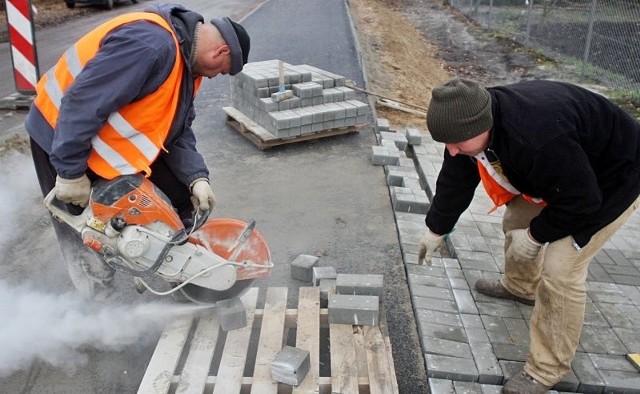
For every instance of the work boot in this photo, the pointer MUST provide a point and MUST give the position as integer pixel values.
(494, 288)
(522, 383)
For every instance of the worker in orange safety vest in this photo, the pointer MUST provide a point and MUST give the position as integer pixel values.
(120, 101)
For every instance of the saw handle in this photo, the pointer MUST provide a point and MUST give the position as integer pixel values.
(76, 222)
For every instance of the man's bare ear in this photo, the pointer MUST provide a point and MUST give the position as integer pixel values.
(222, 50)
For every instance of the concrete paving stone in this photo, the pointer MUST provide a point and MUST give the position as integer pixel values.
(506, 351)
(629, 337)
(621, 382)
(488, 265)
(319, 273)
(439, 317)
(452, 333)
(518, 330)
(496, 330)
(603, 258)
(491, 389)
(431, 281)
(510, 368)
(490, 230)
(459, 283)
(433, 304)
(450, 263)
(618, 257)
(327, 286)
(384, 156)
(427, 270)
(458, 369)
(302, 267)
(355, 310)
(360, 284)
(489, 370)
(454, 272)
(569, 383)
(598, 274)
(445, 347)
(290, 365)
(471, 321)
(601, 340)
(501, 310)
(610, 362)
(587, 374)
(411, 218)
(595, 318)
(231, 314)
(477, 335)
(467, 387)
(414, 136)
(607, 297)
(633, 280)
(479, 243)
(632, 292)
(458, 242)
(410, 257)
(465, 301)
(487, 218)
(432, 292)
(441, 386)
(476, 256)
(621, 270)
(615, 317)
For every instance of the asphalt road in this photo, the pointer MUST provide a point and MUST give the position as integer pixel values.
(322, 197)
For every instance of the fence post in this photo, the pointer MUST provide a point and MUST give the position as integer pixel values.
(587, 46)
(24, 56)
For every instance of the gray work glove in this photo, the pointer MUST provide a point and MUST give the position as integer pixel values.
(523, 248)
(201, 195)
(73, 191)
(428, 245)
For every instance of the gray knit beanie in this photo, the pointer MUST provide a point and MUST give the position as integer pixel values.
(459, 110)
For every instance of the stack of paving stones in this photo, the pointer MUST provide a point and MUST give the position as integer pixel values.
(473, 343)
(319, 99)
(352, 299)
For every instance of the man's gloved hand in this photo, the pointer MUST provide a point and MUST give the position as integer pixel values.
(428, 245)
(523, 248)
(201, 195)
(73, 191)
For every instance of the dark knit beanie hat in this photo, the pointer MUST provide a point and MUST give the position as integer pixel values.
(459, 110)
(238, 40)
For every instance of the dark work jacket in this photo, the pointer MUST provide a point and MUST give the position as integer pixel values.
(559, 142)
(133, 61)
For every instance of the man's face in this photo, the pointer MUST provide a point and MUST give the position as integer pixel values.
(470, 147)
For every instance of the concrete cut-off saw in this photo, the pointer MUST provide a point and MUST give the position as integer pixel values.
(132, 225)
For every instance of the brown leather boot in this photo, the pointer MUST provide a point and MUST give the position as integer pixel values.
(522, 383)
(493, 288)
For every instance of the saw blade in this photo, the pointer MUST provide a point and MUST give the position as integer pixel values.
(202, 295)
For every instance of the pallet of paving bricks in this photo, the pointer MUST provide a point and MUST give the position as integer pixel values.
(194, 355)
(263, 139)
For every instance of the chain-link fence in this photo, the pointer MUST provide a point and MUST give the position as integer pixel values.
(600, 37)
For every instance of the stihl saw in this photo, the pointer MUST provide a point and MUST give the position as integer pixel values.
(132, 225)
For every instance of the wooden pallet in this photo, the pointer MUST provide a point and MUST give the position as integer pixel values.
(263, 139)
(194, 356)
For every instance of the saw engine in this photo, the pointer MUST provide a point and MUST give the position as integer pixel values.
(133, 226)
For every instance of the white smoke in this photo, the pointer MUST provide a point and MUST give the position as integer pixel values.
(56, 328)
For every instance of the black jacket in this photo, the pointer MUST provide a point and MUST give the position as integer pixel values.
(569, 146)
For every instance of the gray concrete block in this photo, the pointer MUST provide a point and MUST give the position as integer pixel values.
(231, 314)
(320, 273)
(489, 370)
(360, 284)
(414, 136)
(385, 156)
(327, 286)
(446, 347)
(441, 386)
(302, 267)
(452, 333)
(290, 365)
(453, 368)
(354, 309)
(383, 124)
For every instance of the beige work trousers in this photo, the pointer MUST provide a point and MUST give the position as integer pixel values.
(556, 280)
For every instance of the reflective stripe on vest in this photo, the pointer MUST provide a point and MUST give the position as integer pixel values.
(133, 136)
(497, 186)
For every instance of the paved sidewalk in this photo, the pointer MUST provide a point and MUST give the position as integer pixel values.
(473, 343)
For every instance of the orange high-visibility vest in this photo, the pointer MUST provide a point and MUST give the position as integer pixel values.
(497, 186)
(133, 136)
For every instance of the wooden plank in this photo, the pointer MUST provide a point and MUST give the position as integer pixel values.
(196, 368)
(248, 124)
(379, 374)
(344, 373)
(270, 342)
(157, 377)
(308, 336)
(234, 354)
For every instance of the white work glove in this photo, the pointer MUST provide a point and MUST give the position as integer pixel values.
(73, 191)
(428, 245)
(523, 248)
(201, 195)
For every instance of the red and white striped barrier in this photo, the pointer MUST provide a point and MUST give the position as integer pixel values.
(23, 45)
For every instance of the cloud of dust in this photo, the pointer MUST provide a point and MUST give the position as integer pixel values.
(56, 328)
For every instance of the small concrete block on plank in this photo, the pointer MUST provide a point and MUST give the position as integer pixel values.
(231, 314)
(290, 365)
(302, 267)
(326, 287)
(354, 309)
(320, 273)
(414, 136)
(359, 284)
